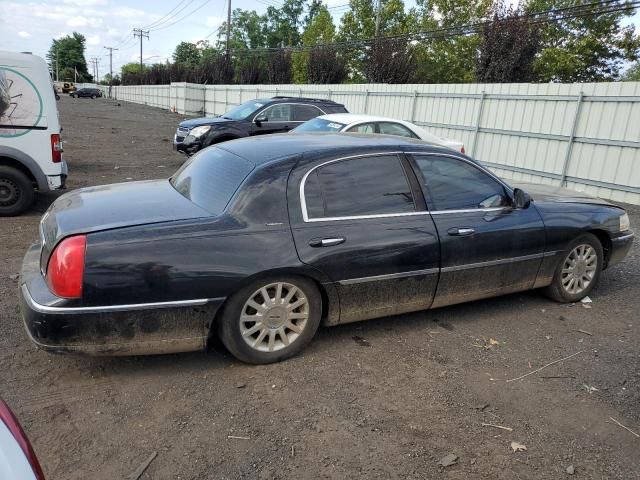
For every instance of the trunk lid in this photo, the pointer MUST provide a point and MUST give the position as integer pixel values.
(113, 206)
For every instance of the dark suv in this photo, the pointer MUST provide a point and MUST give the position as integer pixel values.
(255, 117)
(87, 92)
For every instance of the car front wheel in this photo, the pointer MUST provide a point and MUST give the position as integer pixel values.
(578, 271)
(271, 320)
(93, 97)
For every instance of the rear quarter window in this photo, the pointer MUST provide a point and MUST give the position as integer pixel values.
(211, 177)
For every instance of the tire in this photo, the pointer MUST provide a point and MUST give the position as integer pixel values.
(93, 97)
(16, 192)
(587, 255)
(261, 342)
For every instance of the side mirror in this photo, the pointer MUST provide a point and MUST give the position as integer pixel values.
(521, 199)
(258, 120)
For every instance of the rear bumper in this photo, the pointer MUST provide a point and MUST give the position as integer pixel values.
(57, 182)
(620, 247)
(57, 325)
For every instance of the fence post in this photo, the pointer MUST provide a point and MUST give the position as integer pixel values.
(300, 92)
(366, 101)
(329, 94)
(477, 127)
(574, 126)
(413, 107)
(226, 98)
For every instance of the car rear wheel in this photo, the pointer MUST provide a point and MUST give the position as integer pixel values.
(16, 192)
(270, 320)
(578, 271)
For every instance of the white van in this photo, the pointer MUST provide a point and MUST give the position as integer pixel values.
(30, 144)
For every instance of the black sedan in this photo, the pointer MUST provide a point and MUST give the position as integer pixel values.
(86, 93)
(262, 239)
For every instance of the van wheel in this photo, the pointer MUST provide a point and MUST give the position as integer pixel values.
(16, 192)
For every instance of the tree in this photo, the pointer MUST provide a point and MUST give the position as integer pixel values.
(279, 67)
(632, 74)
(588, 48)
(508, 47)
(282, 24)
(320, 30)
(390, 61)
(444, 56)
(187, 53)
(66, 54)
(325, 65)
(359, 24)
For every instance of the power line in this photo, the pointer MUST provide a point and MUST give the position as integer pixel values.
(181, 18)
(536, 18)
(167, 17)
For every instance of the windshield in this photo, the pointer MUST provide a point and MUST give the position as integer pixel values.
(244, 110)
(319, 125)
(211, 177)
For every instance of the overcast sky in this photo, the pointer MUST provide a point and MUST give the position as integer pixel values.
(30, 25)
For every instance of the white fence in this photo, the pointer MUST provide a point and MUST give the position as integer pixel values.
(583, 136)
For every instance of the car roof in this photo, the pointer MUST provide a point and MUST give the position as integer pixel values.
(261, 149)
(285, 99)
(349, 118)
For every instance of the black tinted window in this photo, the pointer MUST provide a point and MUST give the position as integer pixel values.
(456, 185)
(302, 113)
(359, 186)
(210, 178)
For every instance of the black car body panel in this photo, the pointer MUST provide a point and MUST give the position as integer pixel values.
(87, 93)
(158, 268)
(224, 129)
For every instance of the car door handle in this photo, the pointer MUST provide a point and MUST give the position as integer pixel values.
(326, 242)
(461, 231)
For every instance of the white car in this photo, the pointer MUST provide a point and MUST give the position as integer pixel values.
(17, 459)
(30, 145)
(355, 123)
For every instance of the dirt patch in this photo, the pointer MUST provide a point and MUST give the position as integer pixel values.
(420, 389)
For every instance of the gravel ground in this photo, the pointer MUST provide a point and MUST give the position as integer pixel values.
(387, 398)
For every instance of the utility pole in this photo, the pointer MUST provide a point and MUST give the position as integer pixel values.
(378, 6)
(111, 49)
(228, 28)
(96, 76)
(138, 32)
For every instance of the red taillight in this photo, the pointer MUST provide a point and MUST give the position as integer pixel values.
(462, 149)
(66, 267)
(7, 417)
(56, 148)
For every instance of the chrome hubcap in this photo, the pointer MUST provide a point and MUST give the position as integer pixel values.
(579, 269)
(274, 317)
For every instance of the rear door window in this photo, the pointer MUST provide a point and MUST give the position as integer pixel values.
(211, 177)
(363, 128)
(390, 128)
(302, 113)
(375, 185)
